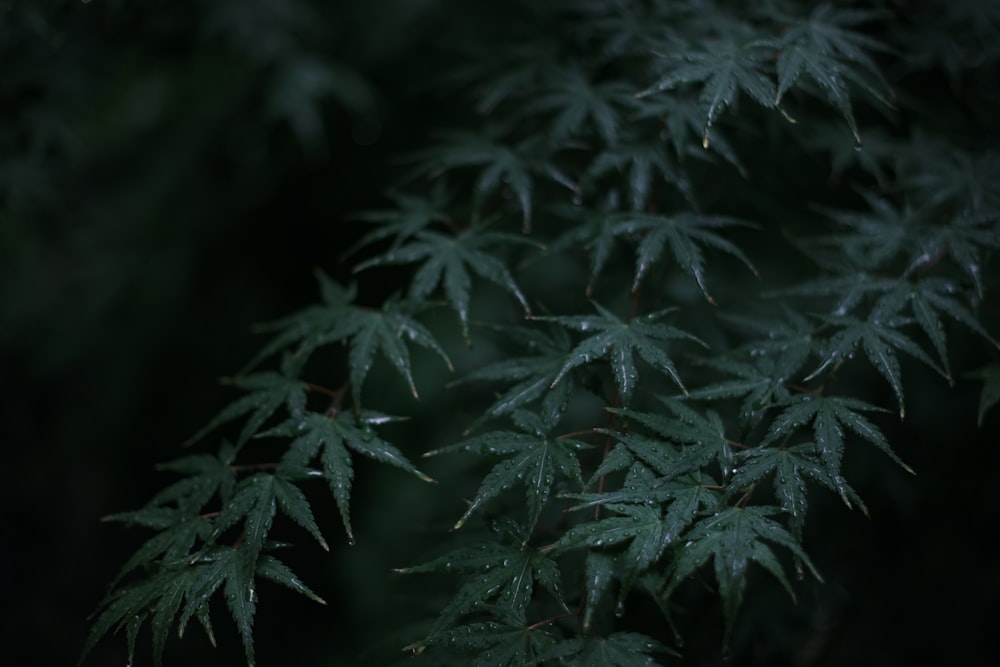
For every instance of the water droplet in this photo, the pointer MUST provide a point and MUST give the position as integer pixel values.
(367, 435)
(620, 609)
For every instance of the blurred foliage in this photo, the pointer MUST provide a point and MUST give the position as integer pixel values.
(173, 172)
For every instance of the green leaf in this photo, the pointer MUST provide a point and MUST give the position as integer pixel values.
(619, 649)
(254, 503)
(880, 338)
(447, 260)
(701, 434)
(184, 586)
(388, 330)
(266, 393)
(685, 233)
(293, 503)
(927, 299)
(600, 572)
(964, 239)
(330, 438)
(274, 570)
(990, 394)
(532, 457)
(573, 99)
(411, 215)
(683, 119)
(829, 416)
(826, 48)
(733, 538)
(729, 67)
(791, 467)
(618, 341)
(642, 159)
(170, 544)
(758, 374)
(314, 326)
(509, 168)
(532, 375)
(500, 576)
(494, 644)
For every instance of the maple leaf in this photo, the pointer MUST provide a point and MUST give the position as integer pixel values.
(730, 66)
(387, 329)
(829, 416)
(532, 456)
(642, 159)
(266, 393)
(879, 337)
(409, 215)
(180, 590)
(990, 394)
(732, 538)
(685, 233)
(176, 511)
(826, 48)
(313, 326)
(501, 579)
(964, 239)
(866, 240)
(791, 467)
(682, 116)
(446, 261)
(331, 439)
(927, 298)
(950, 179)
(532, 374)
(573, 99)
(496, 644)
(508, 167)
(653, 512)
(701, 436)
(760, 375)
(619, 649)
(618, 341)
(255, 501)
(339, 321)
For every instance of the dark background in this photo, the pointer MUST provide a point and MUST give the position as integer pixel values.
(170, 175)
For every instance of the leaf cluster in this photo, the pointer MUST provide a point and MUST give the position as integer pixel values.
(666, 413)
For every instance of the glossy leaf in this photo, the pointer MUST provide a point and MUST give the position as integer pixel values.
(446, 261)
(532, 458)
(829, 415)
(619, 341)
(732, 66)
(501, 576)
(732, 539)
(620, 649)
(330, 439)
